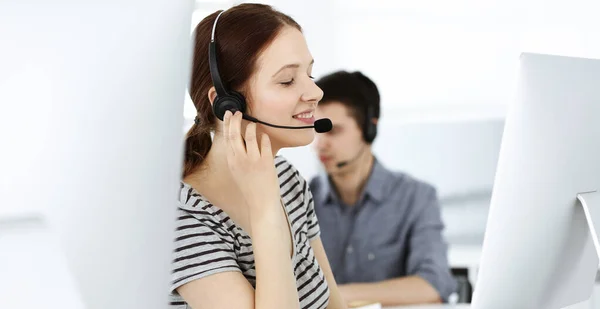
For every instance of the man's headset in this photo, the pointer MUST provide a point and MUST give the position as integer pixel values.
(369, 128)
(235, 101)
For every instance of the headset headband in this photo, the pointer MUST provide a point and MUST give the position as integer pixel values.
(212, 62)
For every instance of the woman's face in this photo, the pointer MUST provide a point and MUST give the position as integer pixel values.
(282, 90)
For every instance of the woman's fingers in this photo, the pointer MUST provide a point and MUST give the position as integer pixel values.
(265, 146)
(235, 136)
(251, 142)
(226, 133)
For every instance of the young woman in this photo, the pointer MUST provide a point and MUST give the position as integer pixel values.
(247, 235)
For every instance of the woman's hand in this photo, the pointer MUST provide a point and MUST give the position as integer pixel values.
(253, 170)
(253, 167)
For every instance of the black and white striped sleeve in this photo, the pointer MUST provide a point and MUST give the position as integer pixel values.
(201, 249)
(312, 221)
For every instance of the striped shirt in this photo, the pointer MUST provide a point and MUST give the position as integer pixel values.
(209, 242)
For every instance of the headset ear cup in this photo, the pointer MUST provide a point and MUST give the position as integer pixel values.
(370, 128)
(240, 99)
(371, 132)
(225, 103)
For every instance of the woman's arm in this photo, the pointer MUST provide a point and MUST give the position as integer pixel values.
(256, 177)
(275, 280)
(215, 291)
(335, 298)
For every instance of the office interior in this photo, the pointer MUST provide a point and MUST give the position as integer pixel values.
(447, 74)
(446, 71)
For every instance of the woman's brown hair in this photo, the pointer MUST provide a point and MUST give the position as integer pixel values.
(242, 33)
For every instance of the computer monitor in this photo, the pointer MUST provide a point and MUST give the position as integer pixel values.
(91, 111)
(539, 246)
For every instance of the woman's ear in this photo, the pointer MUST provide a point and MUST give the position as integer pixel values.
(212, 94)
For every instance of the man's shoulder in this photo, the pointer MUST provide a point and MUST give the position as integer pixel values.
(408, 181)
(411, 193)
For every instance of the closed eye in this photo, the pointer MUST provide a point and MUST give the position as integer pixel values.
(291, 81)
(288, 83)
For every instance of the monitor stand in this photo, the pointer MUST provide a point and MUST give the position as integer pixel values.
(590, 201)
(577, 264)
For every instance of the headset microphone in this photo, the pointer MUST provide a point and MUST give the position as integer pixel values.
(344, 163)
(321, 125)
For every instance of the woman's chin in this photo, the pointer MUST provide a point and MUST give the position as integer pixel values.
(296, 139)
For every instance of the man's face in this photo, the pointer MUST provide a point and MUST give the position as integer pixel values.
(343, 142)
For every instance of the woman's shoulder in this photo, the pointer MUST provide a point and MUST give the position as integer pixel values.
(282, 163)
(203, 243)
(190, 199)
(195, 215)
(193, 206)
(286, 171)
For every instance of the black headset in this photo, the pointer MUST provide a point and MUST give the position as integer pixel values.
(226, 99)
(369, 128)
(229, 100)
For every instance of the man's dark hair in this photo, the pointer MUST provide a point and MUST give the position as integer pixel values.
(354, 90)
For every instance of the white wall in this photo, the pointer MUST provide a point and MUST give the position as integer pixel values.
(446, 72)
(437, 57)
(463, 55)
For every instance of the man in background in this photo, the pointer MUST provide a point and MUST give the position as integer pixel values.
(382, 230)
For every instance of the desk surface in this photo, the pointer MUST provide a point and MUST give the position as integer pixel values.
(445, 306)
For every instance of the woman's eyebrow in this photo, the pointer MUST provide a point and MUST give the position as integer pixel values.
(291, 65)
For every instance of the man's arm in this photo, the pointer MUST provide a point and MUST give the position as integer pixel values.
(393, 292)
(429, 279)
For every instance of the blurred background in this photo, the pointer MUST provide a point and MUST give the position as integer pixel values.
(446, 71)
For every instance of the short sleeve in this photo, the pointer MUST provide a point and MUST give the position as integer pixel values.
(312, 221)
(200, 250)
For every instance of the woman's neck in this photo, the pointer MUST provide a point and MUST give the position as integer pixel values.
(214, 180)
(213, 176)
